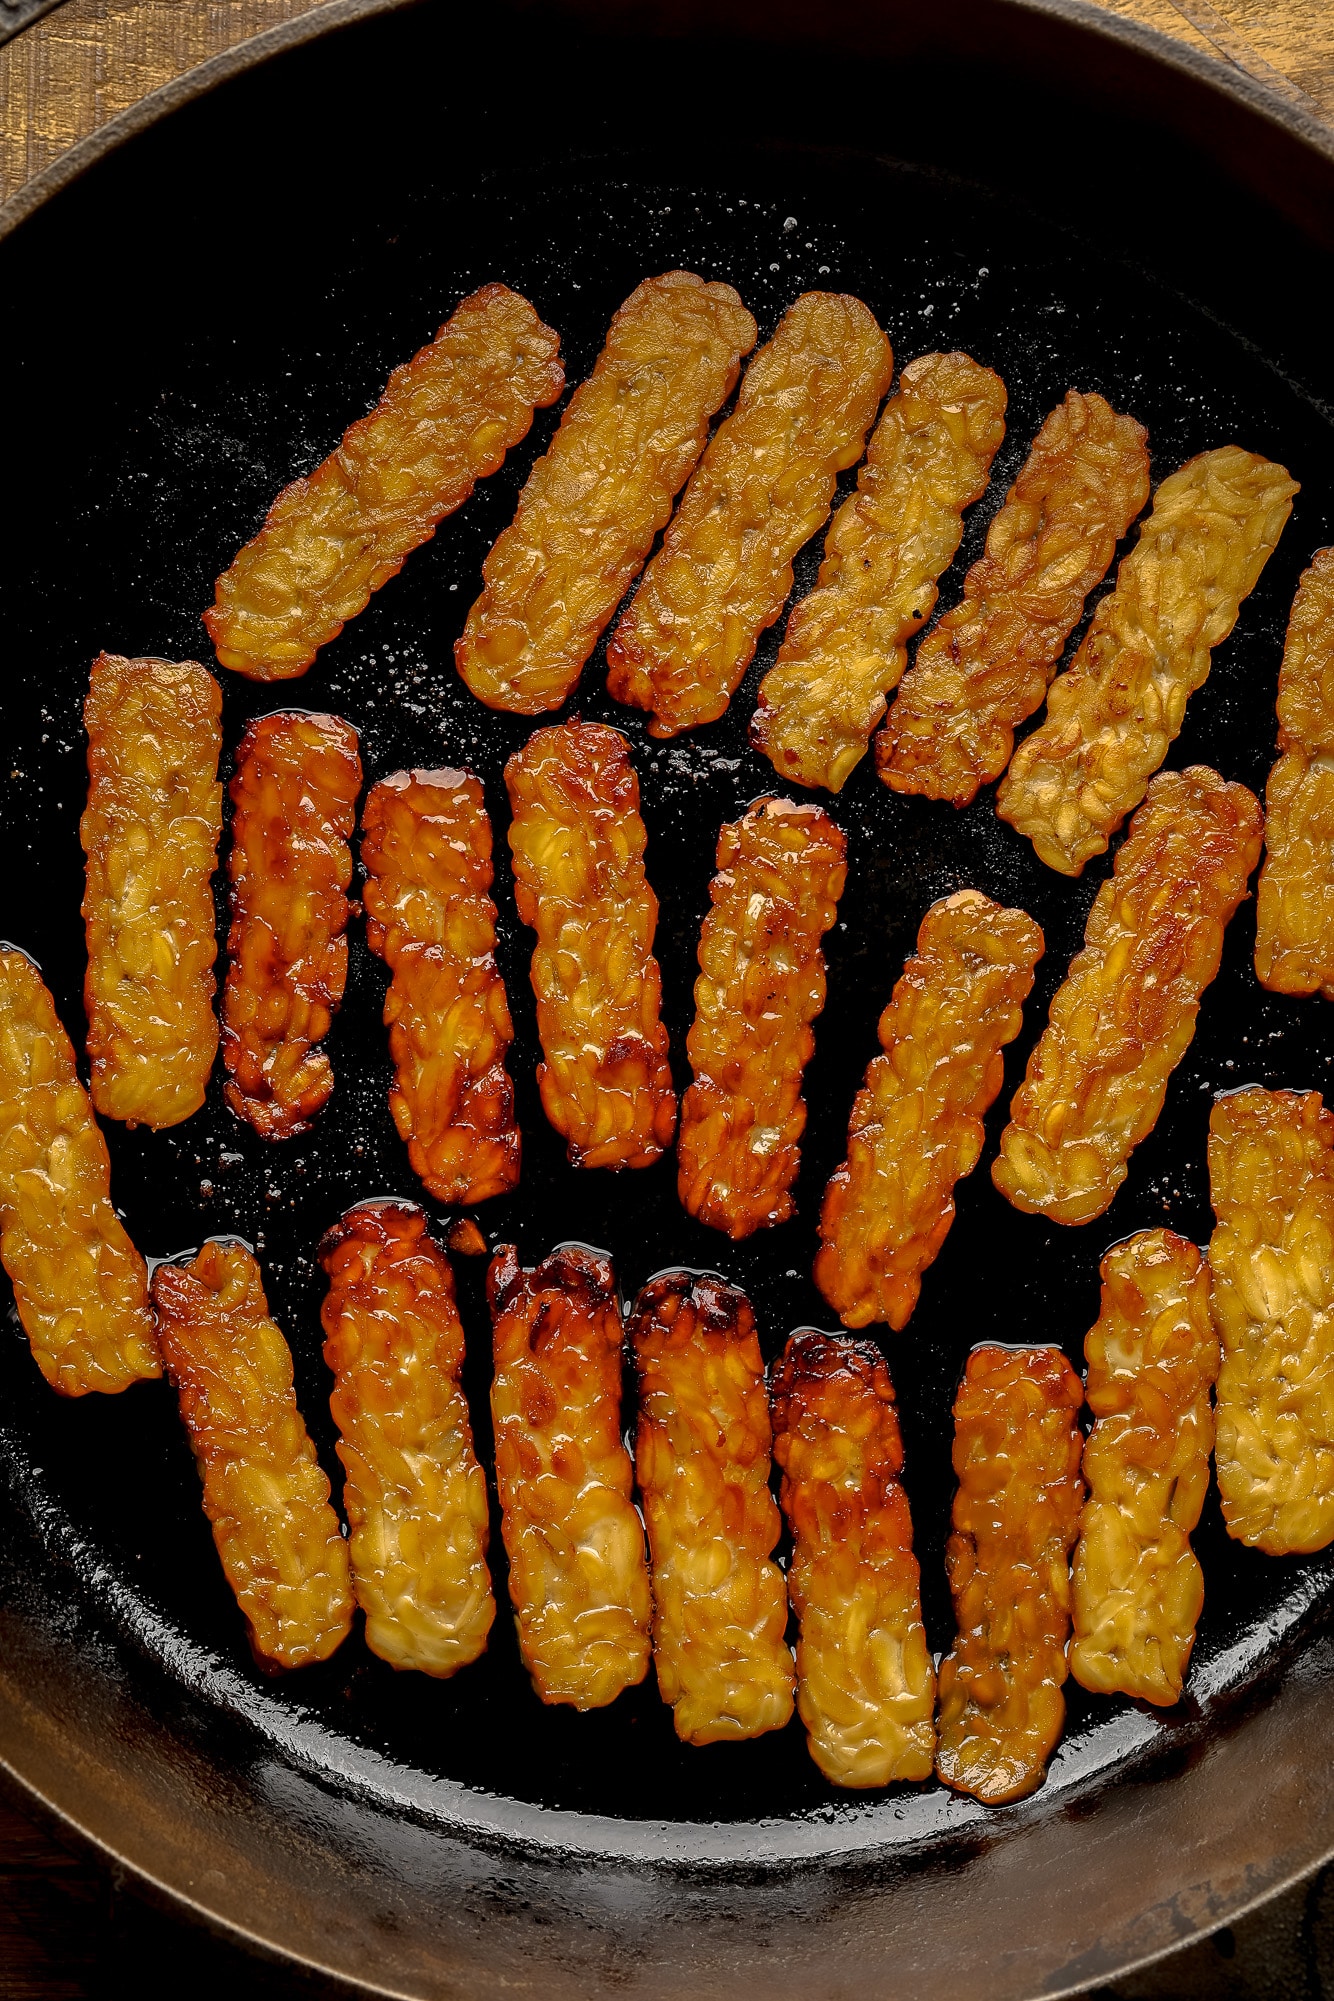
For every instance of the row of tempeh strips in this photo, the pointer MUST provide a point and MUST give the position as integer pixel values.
(637, 431)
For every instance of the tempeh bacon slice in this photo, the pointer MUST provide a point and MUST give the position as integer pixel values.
(80, 1286)
(150, 833)
(426, 848)
(1017, 1446)
(762, 489)
(415, 1496)
(628, 440)
(846, 645)
(265, 1493)
(916, 1125)
(781, 870)
(986, 666)
(578, 843)
(446, 419)
(1294, 901)
(866, 1686)
(702, 1454)
(1125, 1013)
(1152, 1362)
(578, 1578)
(1112, 715)
(295, 794)
(1271, 1175)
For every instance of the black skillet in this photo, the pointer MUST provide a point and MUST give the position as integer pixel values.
(193, 324)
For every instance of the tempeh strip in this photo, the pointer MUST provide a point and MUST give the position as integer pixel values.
(762, 489)
(916, 1125)
(1152, 1362)
(295, 794)
(781, 870)
(629, 438)
(578, 1579)
(80, 1286)
(265, 1493)
(1112, 715)
(702, 1455)
(150, 832)
(1125, 1014)
(846, 644)
(1294, 902)
(415, 1496)
(1017, 1444)
(985, 667)
(866, 1686)
(578, 844)
(426, 849)
(446, 419)
(1271, 1175)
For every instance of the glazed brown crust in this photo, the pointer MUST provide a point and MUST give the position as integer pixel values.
(578, 844)
(414, 1495)
(866, 1686)
(265, 1493)
(426, 849)
(1294, 901)
(985, 667)
(150, 833)
(578, 1579)
(846, 644)
(1112, 715)
(781, 870)
(628, 440)
(916, 1125)
(1017, 1447)
(80, 1286)
(762, 489)
(446, 419)
(1152, 1362)
(702, 1454)
(1125, 1014)
(295, 794)
(1271, 1175)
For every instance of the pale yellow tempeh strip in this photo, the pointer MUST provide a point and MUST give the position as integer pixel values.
(1152, 1361)
(1111, 717)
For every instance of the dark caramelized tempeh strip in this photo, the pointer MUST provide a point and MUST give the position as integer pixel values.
(295, 793)
(150, 832)
(1017, 1445)
(446, 420)
(762, 489)
(781, 871)
(916, 1125)
(578, 1578)
(80, 1286)
(846, 645)
(702, 1455)
(415, 1495)
(628, 440)
(985, 667)
(578, 844)
(866, 1687)
(426, 848)
(265, 1493)
(1125, 1014)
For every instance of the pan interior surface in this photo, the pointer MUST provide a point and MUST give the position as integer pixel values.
(203, 318)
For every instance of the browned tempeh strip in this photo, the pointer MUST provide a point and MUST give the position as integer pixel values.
(628, 440)
(1294, 901)
(985, 667)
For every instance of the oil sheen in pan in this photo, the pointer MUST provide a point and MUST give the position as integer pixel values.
(210, 417)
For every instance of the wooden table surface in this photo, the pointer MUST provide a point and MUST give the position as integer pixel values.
(68, 1931)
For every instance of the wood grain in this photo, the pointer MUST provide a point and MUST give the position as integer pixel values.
(78, 67)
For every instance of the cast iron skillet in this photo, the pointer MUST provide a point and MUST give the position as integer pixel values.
(202, 317)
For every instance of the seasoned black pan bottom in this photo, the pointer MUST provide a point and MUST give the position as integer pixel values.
(204, 332)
